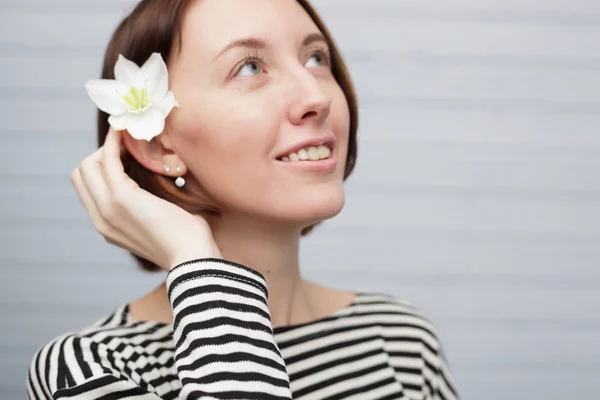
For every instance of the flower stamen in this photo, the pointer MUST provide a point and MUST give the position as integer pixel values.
(138, 100)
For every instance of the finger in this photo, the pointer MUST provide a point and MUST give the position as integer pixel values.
(94, 181)
(110, 234)
(122, 148)
(88, 202)
(113, 149)
(84, 196)
(108, 201)
(114, 171)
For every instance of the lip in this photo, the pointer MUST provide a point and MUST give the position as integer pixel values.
(324, 166)
(326, 140)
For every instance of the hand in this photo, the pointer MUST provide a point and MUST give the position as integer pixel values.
(134, 219)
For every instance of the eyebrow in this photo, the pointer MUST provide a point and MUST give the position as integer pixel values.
(259, 43)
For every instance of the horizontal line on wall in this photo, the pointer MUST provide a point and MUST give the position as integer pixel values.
(95, 271)
(405, 57)
(384, 138)
(490, 15)
(423, 191)
(588, 369)
(330, 13)
(98, 304)
(555, 323)
(496, 106)
(560, 282)
(473, 59)
(348, 231)
(372, 138)
(102, 267)
(53, 51)
(49, 134)
(449, 323)
(357, 232)
(473, 193)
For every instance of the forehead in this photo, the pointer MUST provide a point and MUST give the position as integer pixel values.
(211, 25)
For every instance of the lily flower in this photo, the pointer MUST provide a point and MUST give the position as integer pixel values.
(138, 99)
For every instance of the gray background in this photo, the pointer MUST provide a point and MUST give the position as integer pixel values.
(476, 195)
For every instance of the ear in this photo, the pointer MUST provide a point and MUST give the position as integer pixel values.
(156, 154)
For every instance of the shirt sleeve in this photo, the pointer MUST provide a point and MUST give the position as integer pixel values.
(223, 339)
(224, 343)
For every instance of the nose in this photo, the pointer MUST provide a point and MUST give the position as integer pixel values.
(309, 102)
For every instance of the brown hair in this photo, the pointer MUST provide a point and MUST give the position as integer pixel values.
(156, 26)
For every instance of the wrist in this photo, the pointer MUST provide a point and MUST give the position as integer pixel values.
(211, 269)
(186, 256)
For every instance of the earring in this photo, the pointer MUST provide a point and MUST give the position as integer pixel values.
(180, 181)
(167, 168)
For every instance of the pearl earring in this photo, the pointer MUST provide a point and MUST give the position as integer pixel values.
(180, 181)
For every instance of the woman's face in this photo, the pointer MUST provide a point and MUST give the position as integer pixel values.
(256, 94)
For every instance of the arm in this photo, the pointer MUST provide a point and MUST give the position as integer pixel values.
(224, 345)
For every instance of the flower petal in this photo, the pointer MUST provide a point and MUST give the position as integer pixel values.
(156, 77)
(126, 71)
(106, 94)
(119, 122)
(166, 104)
(147, 125)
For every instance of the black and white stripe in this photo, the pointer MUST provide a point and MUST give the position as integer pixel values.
(221, 345)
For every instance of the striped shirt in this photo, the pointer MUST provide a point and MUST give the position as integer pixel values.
(221, 345)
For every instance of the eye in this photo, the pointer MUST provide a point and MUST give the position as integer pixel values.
(250, 68)
(251, 65)
(321, 59)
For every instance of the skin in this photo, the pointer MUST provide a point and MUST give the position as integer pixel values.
(235, 117)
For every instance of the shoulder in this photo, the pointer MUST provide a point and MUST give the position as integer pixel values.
(411, 340)
(69, 359)
(400, 320)
(392, 311)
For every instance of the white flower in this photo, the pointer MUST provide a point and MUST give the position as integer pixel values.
(138, 99)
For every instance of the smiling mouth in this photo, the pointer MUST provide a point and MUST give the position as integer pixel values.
(310, 153)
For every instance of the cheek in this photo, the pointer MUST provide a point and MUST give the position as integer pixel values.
(224, 145)
(340, 121)
(219, 127)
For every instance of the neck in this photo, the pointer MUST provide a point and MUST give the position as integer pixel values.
(272, 251)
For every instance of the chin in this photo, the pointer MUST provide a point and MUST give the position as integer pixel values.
(315, 206)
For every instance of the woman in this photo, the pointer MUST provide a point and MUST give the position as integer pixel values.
(254, 155)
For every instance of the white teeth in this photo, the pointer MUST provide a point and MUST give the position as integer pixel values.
(303, 154)
(324, 152)
(311, 153)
